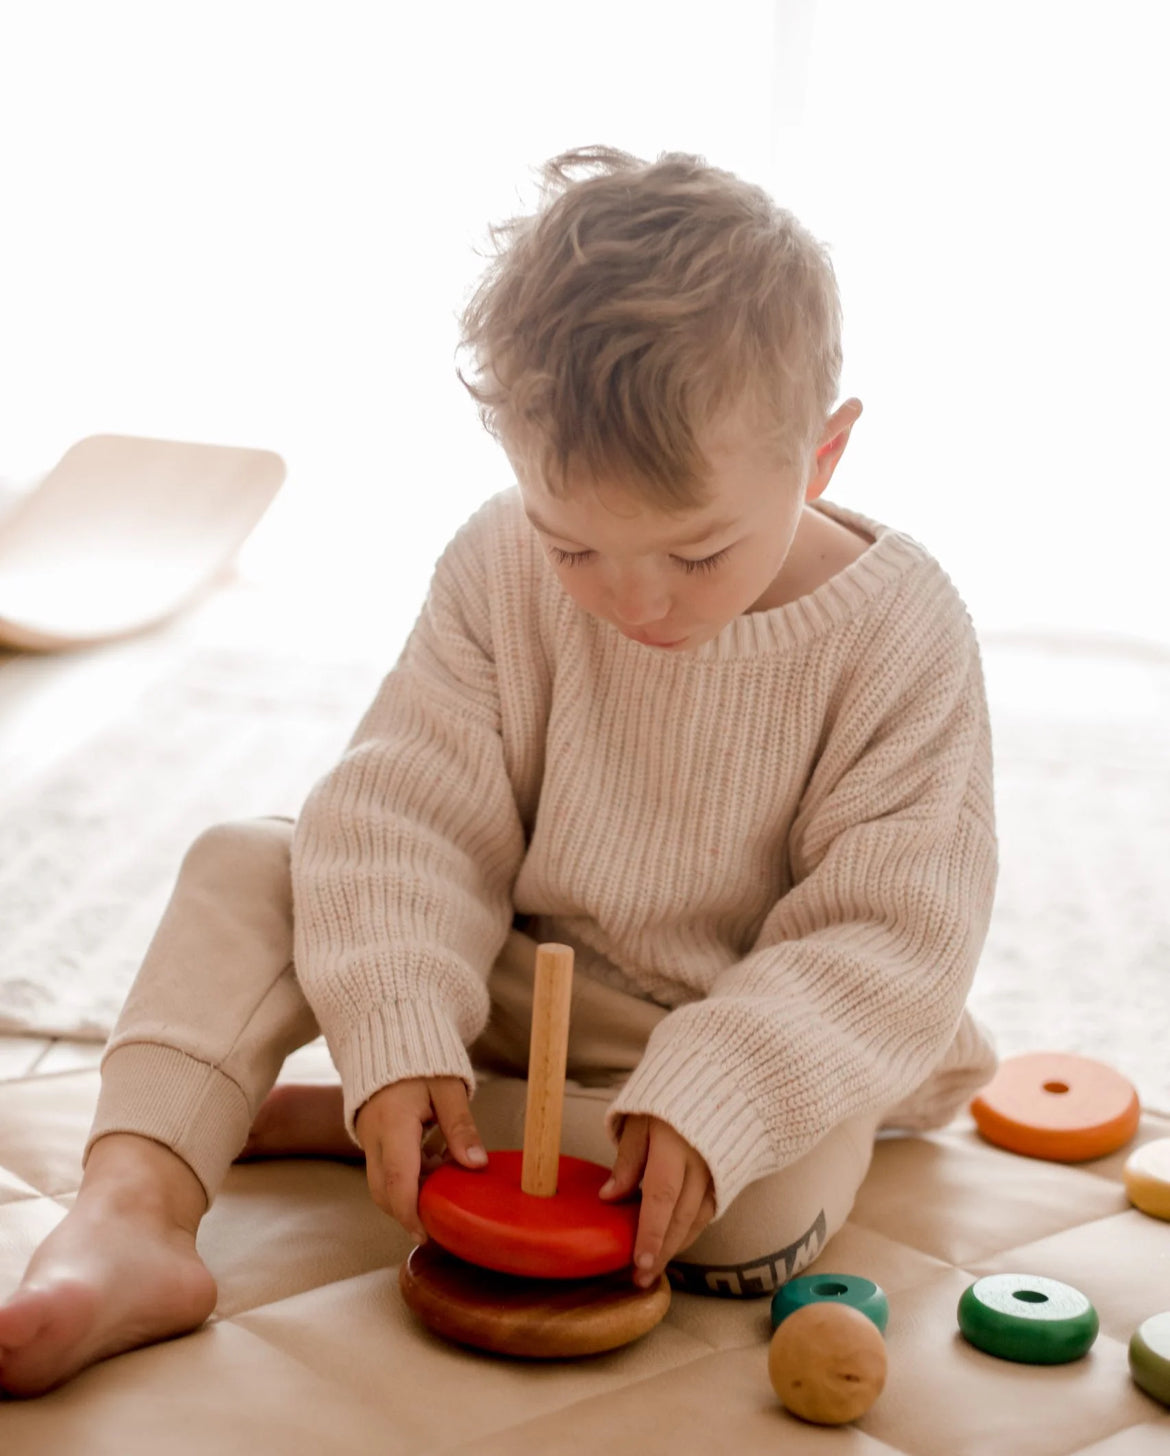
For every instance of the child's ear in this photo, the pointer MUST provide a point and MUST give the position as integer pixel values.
(834, 439)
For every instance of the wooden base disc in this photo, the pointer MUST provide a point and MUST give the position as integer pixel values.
(1057, 1106)
(537, 1319)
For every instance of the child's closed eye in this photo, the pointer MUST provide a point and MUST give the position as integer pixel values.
(568, 558)
(704, 563)
(578, 558)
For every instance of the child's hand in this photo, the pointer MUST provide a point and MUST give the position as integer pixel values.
(678, 1199)
(391, 1127)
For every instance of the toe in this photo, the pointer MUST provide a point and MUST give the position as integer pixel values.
(23, 1317)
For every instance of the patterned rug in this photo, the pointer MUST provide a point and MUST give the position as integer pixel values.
(89, 849)
(1078, 957)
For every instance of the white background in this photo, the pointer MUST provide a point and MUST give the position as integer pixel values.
(255, 222)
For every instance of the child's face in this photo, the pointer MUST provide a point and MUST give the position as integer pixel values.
(674, 580)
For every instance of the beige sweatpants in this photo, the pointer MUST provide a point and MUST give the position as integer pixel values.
(216, 1008)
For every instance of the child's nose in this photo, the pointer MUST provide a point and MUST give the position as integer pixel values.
(639, 604)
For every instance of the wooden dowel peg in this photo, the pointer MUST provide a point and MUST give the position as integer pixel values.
(548, 1051)
(532, 1214)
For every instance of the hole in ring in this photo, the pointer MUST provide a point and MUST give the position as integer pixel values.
(1057, 1087)
(1030, 1296)
(829, 1287)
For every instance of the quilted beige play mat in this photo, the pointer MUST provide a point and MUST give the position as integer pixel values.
(312, 1350)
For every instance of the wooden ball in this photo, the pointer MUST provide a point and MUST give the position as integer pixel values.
(827, 1363)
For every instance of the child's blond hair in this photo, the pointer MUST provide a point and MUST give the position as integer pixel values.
(639, 305)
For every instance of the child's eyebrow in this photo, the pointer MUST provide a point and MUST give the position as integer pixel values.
(713, 528)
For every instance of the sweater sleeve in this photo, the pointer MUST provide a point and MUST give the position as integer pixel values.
(405, 854)
(856, 983)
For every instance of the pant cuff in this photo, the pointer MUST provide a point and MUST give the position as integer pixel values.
(187, 1105)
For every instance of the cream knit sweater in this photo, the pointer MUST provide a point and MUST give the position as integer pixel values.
(786, 836)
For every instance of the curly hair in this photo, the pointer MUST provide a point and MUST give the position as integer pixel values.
(641, 304)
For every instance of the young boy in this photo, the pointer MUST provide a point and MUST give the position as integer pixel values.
(728, 743)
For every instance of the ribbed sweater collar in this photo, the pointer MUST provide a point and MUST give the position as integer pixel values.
(844, 596)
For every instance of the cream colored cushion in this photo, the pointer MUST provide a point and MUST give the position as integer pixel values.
(312, 1351)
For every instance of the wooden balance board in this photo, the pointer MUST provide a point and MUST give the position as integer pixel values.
(122, 533)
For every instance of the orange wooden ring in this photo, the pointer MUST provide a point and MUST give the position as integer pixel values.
(537, 1319)
(1057, 1106)
(486, 1218)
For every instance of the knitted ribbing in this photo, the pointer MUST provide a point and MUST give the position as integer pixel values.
(786, 836)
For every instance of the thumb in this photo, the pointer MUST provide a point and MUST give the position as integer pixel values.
(630, 1163)
(453, 1114)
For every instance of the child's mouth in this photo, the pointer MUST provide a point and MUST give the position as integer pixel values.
(655, 642)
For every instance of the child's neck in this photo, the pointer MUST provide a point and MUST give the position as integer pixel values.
(821, 548)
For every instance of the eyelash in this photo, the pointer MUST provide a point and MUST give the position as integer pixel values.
(578, 558)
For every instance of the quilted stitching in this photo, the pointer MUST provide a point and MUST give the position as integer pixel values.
(311, 1349)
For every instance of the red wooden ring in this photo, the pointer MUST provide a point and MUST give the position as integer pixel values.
(487, 1219)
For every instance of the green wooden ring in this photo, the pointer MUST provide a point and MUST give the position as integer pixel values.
(1027, 1318)
(1149, 1356)
(862, 1294)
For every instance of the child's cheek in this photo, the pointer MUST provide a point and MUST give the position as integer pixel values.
(575, 583)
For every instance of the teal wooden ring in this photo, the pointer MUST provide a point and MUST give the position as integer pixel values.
(1027, 1318)
(862, 1294)
(1149, 1356)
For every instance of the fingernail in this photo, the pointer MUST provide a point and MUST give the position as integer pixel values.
(477, 1156)
(645, 1261)
(606, 1188)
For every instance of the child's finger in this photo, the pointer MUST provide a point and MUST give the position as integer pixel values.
(663, 1185)
(453, 1113)
(630, 1161)
(673, 1244)
(398, 1166)
(704, 1216)
(685, 1213)
(654, 1251)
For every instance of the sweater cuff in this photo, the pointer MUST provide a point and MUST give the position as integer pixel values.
(392, 1042)
(696, 1097)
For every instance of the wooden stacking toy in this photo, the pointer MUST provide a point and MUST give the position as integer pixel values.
(1027, 1318)
(1147, 1178)
(1057, 1106)
(523, 1256)
(827, 1363)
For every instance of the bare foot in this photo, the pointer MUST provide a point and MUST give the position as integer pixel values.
(301, 1120)
(120, 1270)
